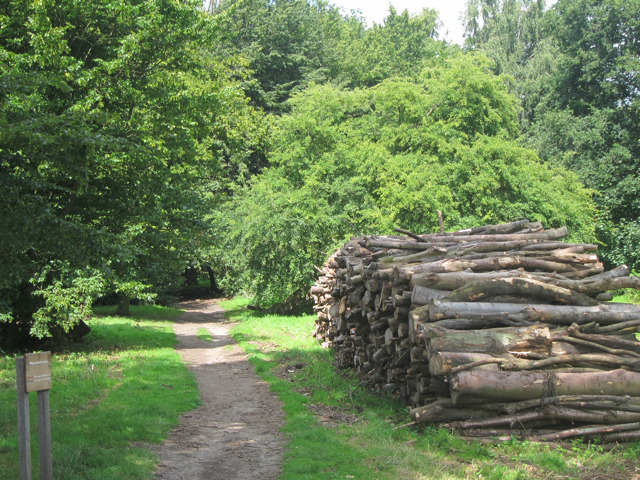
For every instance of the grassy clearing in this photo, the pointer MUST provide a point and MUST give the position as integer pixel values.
(338, 430)
(121, 388)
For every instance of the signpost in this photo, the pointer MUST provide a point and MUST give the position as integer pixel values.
(33, 374)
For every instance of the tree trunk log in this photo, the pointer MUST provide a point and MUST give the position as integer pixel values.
(423, 295)
(550, 412)
(123, 306)
(494, 341)
(555, 314)
(524, 287)
(593, 360)
(517, 386)
(441, 363)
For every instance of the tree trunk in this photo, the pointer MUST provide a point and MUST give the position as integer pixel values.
(123, 306)
(551, 234)
(524, 287)
(212, 279)
(423, 295)
(441, 363)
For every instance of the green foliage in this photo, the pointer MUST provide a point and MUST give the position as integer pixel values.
(363, 161)
(118, 133)
(292, 44)
(575, 67)
(124, 387)
(287, 44)
(398, 47)
(67, 300)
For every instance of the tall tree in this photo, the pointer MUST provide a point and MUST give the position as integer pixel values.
(365, 160)
(287, 44)
(575, 71)
(399, 46)
(113, 131)
(593, 127)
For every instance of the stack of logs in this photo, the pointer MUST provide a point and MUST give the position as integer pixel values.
(494, 332)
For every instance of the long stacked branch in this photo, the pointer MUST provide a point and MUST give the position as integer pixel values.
(495, 331)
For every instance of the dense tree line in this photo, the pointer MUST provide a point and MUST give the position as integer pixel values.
(117, 121)
(577, 68)
(140, 137)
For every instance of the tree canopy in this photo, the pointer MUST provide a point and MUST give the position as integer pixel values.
(139, 137)
(576, 69)
(361, 161)
(114, 129)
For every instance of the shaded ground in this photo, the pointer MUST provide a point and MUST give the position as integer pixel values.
(235, 433)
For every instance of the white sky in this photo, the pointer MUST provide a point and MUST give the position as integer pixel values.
(376, 10)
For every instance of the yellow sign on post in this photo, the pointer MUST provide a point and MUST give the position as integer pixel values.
(37, 371)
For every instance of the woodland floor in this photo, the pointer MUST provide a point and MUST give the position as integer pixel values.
(235, 433)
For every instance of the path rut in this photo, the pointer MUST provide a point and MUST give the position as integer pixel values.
(235, 433)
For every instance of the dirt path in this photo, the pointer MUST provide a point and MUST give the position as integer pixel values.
(235, 433)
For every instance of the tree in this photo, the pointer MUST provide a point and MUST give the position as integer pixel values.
(510, 32)
(115, 130)
(288, 43)
(575, 69)
(362, 161)
(592, 128)
(398, 47)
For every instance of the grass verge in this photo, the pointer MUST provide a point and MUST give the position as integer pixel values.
(336, 429)
(123, 387)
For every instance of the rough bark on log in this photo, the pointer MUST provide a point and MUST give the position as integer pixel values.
(555, 314)
(525, 287)
(473, 324)
(455, 280)
(510, 227)
(520, 364)
(620, 403)
(423, 295)
(441, 363)
(517, 386)
(494, 341)
(599, 431)
(549, 412)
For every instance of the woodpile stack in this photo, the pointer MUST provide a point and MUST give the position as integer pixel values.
(494, 332)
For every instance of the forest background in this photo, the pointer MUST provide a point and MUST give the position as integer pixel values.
(252, 137)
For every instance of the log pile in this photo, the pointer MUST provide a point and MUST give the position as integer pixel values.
(494, 332)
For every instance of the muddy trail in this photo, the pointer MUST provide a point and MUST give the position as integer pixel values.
(235, 433)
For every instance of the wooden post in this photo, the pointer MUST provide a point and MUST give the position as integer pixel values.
(44, 435)
(33, 374)
(24, 434)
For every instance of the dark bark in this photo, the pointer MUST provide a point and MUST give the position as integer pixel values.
(423, 295)
(123, 306)
(212, 279)
(554, 314)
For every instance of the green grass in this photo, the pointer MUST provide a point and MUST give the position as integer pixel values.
(204, 334)
(320, 404)
(628, 296)
(121, 388)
